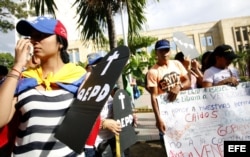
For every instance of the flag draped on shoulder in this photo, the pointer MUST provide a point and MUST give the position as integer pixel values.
(69, 77)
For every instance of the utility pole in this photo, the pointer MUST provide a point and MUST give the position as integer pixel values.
(125, 42)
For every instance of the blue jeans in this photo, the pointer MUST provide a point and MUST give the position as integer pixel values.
(90, 152)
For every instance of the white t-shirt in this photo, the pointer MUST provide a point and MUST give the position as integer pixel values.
(107, 112)
(215, 75)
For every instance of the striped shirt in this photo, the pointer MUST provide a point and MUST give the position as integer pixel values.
(41, 113)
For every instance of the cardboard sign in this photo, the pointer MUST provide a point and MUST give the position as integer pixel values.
(85, 109)
(123, 113)
(185, 44)
(200, 120)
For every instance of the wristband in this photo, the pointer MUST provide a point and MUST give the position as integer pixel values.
(17, 71)
(13, 76)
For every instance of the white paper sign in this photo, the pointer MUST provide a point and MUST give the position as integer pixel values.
(185, 44)
(201, 119)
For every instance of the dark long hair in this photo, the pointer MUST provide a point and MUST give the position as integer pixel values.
(207, 60)
(64, 54)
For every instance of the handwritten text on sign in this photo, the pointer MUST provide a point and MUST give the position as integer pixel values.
(200, 120)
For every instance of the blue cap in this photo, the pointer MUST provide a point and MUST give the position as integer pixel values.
(94, 58)
(162, 44)
(42, 24)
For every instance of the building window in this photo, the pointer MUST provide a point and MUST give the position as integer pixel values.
(203, 42)
(77, 57)
(245, 35)
(74, 55)
(247, 46)
(237, 35)
(71, 57)
(207, 41)
(191, 40)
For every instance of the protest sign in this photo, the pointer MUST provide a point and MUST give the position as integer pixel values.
(91, 98)
(200, 120)
(122, 109)
(185, 44)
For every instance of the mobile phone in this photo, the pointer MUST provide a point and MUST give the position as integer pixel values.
(31, 49)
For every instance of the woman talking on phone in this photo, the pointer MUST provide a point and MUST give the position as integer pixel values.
(42, 94)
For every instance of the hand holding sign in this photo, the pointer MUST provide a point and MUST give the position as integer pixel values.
(123, 114)
(91, 98)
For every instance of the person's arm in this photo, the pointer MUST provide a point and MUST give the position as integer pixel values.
(232, 81)
(112, 125)
(8, 87)
(207, 84)
(159, 122)
(208, 78)
(184, 84)
(196, 71)
(7, 100)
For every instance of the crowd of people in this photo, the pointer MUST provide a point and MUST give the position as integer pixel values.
(182, 73)
(39, 91)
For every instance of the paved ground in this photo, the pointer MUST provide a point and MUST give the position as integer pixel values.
(148, 144)
(146, 119)
(143, 101)
(146, 127)
(147, 149)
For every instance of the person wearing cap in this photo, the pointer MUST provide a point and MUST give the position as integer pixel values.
(219, 72)
(105, 127)
(166, 76)
(93, 59)
(43, 94)
(194, 69)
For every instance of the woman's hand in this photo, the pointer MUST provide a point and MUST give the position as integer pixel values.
(232, 81)
(22, 52)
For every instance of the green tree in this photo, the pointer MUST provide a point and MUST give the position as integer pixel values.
(242, 63)
(8, 9)
(6, 59)
(97, 16)
(141, 60)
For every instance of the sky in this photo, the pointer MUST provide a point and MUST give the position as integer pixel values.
(163, 14)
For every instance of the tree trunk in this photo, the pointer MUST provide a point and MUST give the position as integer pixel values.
(112, 37)
(111, 27)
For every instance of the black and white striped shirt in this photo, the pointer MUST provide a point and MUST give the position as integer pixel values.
(41, 113)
